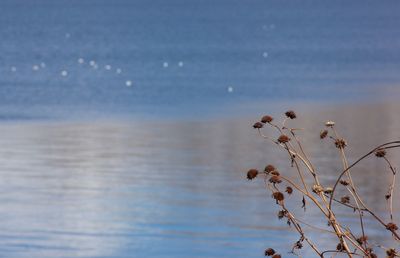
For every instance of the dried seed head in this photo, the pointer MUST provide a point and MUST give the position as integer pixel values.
(328, 190)
(340, 247)
(277, 256)
(345, 199)
(257, 125)
(275, 180)
(269, 252)
(329, 123)
(275, 173)
(289, 190)
(269, 168)
(323, 134)
(391, 253)
(282, 214)
(344, 182)
(362, 239)
(391, 226)
(387, 196)
(380, 153)
(291, 114)
(278, 196)
(283, 139)
(317, 189)
(267, 119)
(252, 173)
(340, 143)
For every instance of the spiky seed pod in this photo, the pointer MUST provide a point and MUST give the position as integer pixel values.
(345, 199)
(380, 153)
(283, 139)
(344, 182)
(258, 125)
(323, 134)
(289, 190)
(277, 256)
(329, 123)
(391, 226)
(290, 114)
(362, 239)
(275, 173)
(275, 180)
(278, 196)
(269, 252)
(269, 168)
(340, 143)
(391, 253)
(267, 119)
(252, 173)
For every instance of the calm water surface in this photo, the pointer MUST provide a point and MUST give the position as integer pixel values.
(118, 188)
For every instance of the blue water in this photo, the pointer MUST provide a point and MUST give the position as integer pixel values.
(91, 167)
(316, 51)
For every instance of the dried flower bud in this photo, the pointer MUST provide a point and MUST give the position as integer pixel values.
(340, 143)
(277, 256)
(258, 125)
(323, 134)
(328, 190)
(281, 214)
(275, 173)
(345, 199)
(252, 173)
(269, 252)
(380, 153)
(329, 123)
(289, 190)
(317, 189)
(278, 196)
(291, 114)
(269, 168)
(391, 253)
(267, 119)
(340, 247)
(283, 139)
(344, 182)
(391, 226)
(362, 239)
(275, 180)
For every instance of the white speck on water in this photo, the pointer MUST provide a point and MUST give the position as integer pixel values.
(118, 70)
(107, 67)
(128, 83)
(13, 69)
(42, 64)
(180, 64)
(230, 89)
(81, 60)
(92, 63)
(265, 54)
(67, 35)
(165, 64)
(35, 67)
(64, 73)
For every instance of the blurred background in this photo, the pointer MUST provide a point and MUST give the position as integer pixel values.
(126, 125)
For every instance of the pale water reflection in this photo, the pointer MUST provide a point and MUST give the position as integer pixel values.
(167, 189)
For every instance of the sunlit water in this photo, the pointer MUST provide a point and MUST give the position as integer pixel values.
(173, 189)
(126, 125)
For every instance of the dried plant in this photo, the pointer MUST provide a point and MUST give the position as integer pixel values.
(308, 185)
